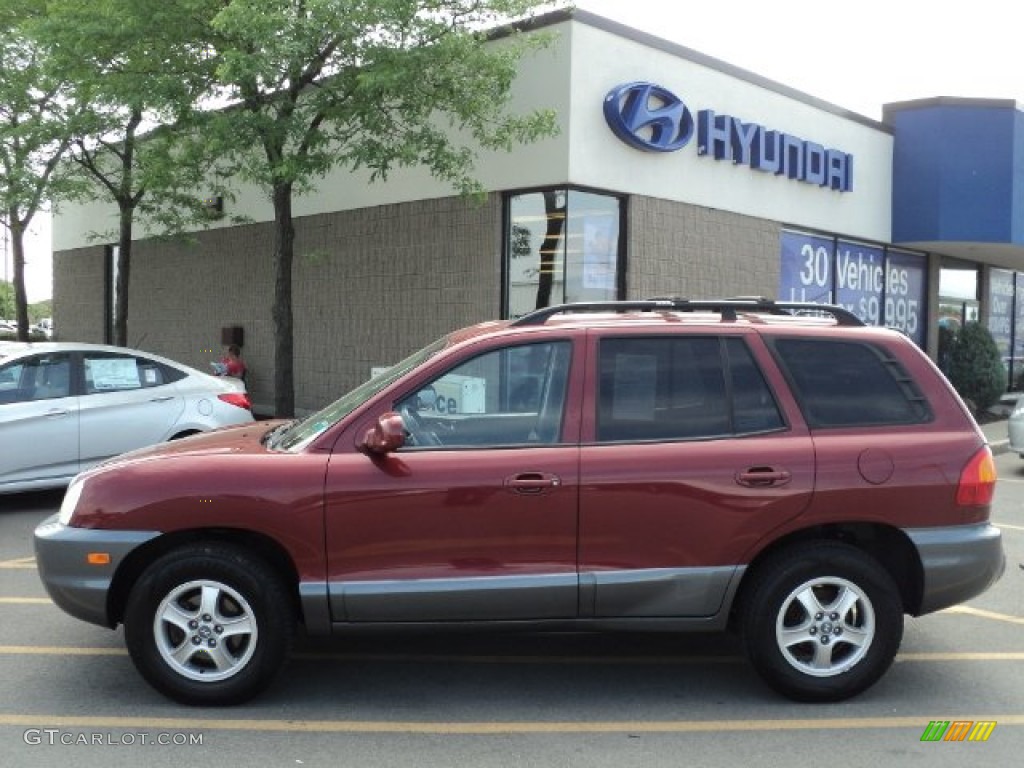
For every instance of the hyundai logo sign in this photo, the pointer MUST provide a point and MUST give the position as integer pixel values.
(648, 117)
(652, 118)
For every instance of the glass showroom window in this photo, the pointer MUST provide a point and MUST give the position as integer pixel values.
(561, 245)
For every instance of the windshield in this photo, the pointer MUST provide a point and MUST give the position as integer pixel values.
(300, 433)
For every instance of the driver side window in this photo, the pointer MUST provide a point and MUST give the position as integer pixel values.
(507, 397)
(42, 377)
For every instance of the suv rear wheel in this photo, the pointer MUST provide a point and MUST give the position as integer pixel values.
(823, 622)
(209, 624)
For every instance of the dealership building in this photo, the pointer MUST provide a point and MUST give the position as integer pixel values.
(673, 173)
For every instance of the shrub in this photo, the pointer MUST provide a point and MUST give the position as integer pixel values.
(976, 368)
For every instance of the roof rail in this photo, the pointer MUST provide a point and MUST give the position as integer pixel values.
(727, 307)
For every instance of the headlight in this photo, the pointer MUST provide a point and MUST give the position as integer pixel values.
(71, 497)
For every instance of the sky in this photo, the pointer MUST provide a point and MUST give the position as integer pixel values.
(858, 55)
(38, 259)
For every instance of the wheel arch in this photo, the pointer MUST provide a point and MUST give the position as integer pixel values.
(890, 546)
(182, 433)
(264, 547)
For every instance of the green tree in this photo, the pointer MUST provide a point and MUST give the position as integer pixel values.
(976, 368)
(37, 120)
(360, 84)
(142, 68)
(39, 310)
(7, 305)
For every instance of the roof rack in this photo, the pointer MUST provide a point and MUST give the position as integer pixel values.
(727, 307)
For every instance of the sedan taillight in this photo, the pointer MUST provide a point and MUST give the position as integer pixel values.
(241, 399)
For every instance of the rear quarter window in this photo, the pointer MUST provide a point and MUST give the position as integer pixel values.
(850, 383)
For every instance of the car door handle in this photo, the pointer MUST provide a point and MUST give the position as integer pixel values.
(532, 482)
(161, 399)
(57, 413)
(760, 477)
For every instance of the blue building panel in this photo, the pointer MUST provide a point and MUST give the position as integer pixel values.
(1017, 201)
(958, 171)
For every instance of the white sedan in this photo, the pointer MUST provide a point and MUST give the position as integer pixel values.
(1015, 428)
(67, 406)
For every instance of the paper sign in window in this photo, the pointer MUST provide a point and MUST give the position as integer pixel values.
(113, 373)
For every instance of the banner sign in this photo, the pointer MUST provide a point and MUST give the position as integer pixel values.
(879, 285)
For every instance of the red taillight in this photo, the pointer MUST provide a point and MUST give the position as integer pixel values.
(977, 480)
(237, 398)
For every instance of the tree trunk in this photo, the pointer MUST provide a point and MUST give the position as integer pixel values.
(124, 256)
(284, 251)
(17, 229)
(550, 248)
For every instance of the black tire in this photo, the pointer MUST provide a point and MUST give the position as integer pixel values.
(241, 637)
(856, 607)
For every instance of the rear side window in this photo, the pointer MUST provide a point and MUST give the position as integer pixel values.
(754, 408)
(680, 388)
(849, 383)
(110, 372)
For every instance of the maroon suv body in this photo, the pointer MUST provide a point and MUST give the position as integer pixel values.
(661, 465)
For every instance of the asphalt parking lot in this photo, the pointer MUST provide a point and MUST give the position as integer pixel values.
(69, 692)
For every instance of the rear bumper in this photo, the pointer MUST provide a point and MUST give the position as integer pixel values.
(958, 563)
(77, 587)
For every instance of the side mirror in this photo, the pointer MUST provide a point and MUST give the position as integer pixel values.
(387, 435)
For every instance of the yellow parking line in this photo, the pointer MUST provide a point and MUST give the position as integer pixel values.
(485, 728)
(53, 650)
(981, 613)
(19, 562)
(1011, 527)
(962, 656)
(25, 601)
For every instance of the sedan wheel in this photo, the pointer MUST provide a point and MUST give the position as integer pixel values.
(209, 624)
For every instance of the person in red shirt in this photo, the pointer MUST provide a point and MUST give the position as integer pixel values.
(232, 364)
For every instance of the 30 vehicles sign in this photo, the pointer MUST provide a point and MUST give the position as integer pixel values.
(882, 286)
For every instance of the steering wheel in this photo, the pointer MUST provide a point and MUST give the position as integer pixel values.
(418, 434)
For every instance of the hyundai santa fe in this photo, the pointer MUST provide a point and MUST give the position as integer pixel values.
(775, 469)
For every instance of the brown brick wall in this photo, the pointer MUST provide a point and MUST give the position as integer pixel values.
(182, 293)
(370, 287)
(79, 294)
(375, 285)
(677, 249)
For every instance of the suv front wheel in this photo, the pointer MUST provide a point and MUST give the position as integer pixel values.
(209, 624)
(823, 622)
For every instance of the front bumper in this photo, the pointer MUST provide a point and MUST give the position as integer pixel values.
(76, 586)
(959, 562)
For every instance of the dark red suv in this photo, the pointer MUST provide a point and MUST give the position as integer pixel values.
(658, 465)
